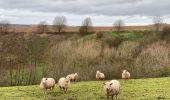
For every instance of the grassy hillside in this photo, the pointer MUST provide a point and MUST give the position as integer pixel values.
(142, 89)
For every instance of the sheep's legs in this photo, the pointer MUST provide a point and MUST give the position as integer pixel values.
(107, 97)
(65, 90)
(112, 97)
(52, 87)
(60, 87)
(116, 96)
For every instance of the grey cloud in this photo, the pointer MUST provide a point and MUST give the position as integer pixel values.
(97, 7)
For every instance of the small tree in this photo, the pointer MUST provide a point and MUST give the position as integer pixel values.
(4, 25)
(158, 21)
(86, 25)
(42, 27)
(118, 25)
(165, 33)
(59, 23)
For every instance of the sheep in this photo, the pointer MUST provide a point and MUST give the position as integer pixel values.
(112, 88)
(73, 77)
(125, 75)
(47, 83)
(99, 75)
(64, 83)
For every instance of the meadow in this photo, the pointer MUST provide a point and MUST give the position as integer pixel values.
(134, 89)
(28, 57)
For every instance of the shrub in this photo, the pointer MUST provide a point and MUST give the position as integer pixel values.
(166, 33)
(114, 41)
(153, 59)
(99, 34)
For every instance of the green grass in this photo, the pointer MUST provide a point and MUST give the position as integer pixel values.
(132, 35)
(142, 89)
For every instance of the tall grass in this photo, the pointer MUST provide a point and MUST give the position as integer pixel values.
(38, 56)
(84, 57)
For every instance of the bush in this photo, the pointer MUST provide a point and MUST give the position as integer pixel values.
(166, 33)
(114, 41)
(99, 34)
(153, 59)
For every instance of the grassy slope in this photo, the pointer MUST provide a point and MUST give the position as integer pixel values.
(142, 89)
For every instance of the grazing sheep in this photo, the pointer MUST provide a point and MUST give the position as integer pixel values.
(112, 88)
(125, 75)
(99, 75)
(47, 83)
(64, 83)
(73, 77)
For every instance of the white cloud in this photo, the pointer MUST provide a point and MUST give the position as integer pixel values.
(103, 12)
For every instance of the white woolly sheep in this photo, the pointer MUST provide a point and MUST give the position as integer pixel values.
(73, 77)
(47, 83)
(125, 75)
(112, 88)
(64, 83)
(99, 75)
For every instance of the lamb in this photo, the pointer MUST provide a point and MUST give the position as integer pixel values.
(99, 75)
(73, 77)
(125, 75)
(47, 83)
(64, 83)
(112, 88)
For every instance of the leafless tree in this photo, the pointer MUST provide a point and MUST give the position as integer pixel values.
(118, 25)
(158, 21)
(59, 23)
(4, 26)
(86, 25)
(42, 27)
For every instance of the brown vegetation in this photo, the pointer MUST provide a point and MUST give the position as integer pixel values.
(26, 58)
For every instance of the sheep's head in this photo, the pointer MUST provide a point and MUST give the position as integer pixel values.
(98, 71)
(76, 74)
(124, 71)
(68, 78)
(107, 86)
(43, 80)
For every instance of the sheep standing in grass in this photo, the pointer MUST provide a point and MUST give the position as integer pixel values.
(47, 83)
(125, 75)
(73, 77)
(99, 75)
(64, 83)
(112, 88)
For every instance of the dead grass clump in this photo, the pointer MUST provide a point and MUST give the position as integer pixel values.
(153, 59)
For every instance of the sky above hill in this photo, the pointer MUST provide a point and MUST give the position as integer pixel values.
(102, 12)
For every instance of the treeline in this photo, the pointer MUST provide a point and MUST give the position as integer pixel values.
(26, 58)
(20, 56)
(60, 25)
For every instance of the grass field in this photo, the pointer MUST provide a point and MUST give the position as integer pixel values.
(141, 89)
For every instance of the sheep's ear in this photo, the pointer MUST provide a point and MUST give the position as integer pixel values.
(111, 83)
(104, 83)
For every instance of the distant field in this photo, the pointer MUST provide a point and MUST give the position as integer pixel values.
(33, 28)
(142, 89)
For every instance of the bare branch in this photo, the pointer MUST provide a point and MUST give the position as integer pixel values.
(118, 25)
(86, 25)
(158, 21)
(42, 27)
(59, 23)
(4, 25)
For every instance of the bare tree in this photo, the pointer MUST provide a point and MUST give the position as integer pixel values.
(4, 26)
(59, 23)
(42, 27)
(86, 25)
(118, 25)
(158, 21)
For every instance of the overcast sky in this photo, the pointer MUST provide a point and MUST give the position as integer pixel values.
(102, 12)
